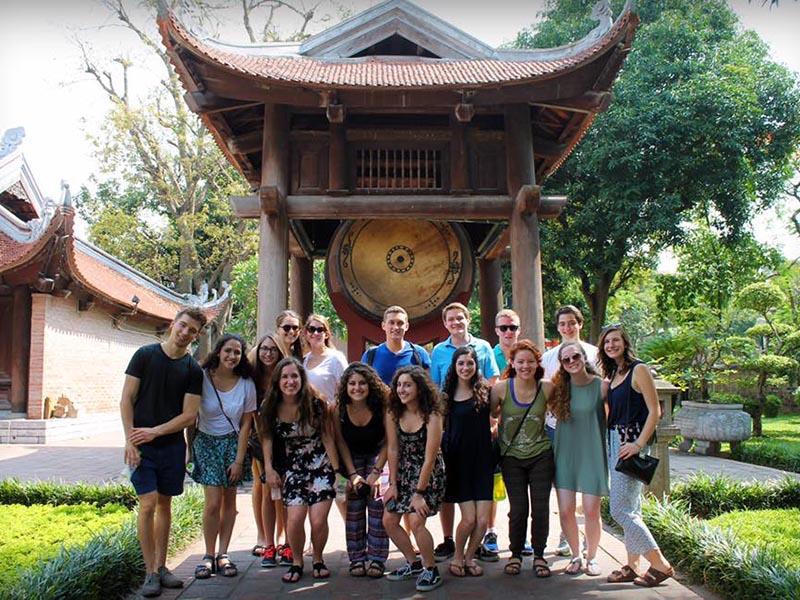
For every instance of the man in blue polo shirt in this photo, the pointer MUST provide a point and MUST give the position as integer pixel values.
(395, 352)
(456, 320)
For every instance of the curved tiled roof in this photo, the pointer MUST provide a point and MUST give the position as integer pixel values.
(391, 72)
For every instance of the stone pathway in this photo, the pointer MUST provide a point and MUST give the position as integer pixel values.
(683, 465)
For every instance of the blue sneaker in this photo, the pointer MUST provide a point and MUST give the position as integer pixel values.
(527, 549)
(407, 571)
(489, 543)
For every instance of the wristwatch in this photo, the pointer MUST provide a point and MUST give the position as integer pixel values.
(421, 492)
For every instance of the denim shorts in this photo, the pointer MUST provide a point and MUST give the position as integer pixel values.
(161, 469)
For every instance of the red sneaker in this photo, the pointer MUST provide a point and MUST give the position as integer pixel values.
(285, 554)
(268, 558)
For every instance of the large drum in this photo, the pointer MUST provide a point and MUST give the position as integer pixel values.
(420, 265)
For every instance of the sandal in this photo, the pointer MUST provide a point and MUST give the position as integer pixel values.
(205, 569)
(513, 566)
(258, 550)
(376, 569)
(473, 569)
(574, 566)
(623, 575)
(653, 577)
(457, 569)
(357, 568)
(320, 571)
(225, 567)
(540, 567)
(293, 575)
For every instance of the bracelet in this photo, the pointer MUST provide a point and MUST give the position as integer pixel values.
(351, 474)
(421, 492)
(377, 471)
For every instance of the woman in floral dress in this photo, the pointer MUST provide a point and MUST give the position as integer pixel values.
(293, 413)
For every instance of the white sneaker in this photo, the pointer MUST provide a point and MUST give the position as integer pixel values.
(593, 567)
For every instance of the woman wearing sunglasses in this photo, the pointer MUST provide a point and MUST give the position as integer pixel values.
(324, 364)
(578, 402)
(633, 413)
(288, 326)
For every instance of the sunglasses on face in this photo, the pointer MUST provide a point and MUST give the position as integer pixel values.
(288, 328)
(572, 359)
(505, 328)
(311, 329)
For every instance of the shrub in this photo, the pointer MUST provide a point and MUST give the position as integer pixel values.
(716, 557)
(772, 406)
(45, 492)
(777, 530)
(110, 564)
(771, 453)
(707, 496)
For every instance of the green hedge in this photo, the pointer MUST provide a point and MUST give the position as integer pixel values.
(45, 492)
(707, 496)
(777, 529)
(110, 564)
(770, 453)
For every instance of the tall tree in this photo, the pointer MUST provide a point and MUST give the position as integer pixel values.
(703, 123)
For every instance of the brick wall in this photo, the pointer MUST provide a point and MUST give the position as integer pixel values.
(79, 355)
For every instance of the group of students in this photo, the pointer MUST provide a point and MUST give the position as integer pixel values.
(410, 434)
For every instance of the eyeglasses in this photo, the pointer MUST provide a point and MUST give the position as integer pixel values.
(311, 329)
(505, 328)
(270, 349)
(577, 357)
(288, 328)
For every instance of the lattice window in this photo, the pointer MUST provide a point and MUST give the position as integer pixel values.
(412, 169)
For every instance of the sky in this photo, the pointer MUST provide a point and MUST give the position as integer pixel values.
(45, 90)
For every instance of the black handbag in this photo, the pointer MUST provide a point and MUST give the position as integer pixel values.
(638, 466)
(497, 455)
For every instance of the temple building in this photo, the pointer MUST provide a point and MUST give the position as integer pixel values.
(71, 315)
(404, 152)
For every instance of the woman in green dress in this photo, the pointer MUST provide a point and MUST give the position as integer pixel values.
(578, 402)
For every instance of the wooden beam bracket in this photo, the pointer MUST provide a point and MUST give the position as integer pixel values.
(272, 200)
(527, 200)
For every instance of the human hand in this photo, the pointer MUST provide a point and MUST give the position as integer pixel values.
(273, 479)
(132, 455)
(419, 505)
(234, 472)
(373, 479)
(389, 494)
(142, 435)
(628, 450)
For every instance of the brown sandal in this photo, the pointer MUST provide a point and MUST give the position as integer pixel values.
(513, 566)
(653, 577)
(457, 569)
(623, 575)
(473, 569)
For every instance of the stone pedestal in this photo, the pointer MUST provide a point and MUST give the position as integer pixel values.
(665, 433)
(706, 425)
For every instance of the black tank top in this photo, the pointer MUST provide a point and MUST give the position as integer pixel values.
(630, 420)
(366, 440)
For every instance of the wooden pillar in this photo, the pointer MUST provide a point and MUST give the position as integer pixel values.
(301, 282)
(491, 296)
(526, 262)
(459, 173)
(21, 348)
(337, 159)
(273, 247)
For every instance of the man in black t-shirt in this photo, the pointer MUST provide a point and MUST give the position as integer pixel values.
(160, 398)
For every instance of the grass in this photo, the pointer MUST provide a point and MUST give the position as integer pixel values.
(776, 530)
(33, 534)
(707, 496)
(779, 447)
(13, 491)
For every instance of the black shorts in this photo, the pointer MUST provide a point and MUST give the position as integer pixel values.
(161, 469)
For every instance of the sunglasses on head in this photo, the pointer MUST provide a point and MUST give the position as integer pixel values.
(288, 328)
(611, 327)
(505, 328)
(312, 329)
(577, 357)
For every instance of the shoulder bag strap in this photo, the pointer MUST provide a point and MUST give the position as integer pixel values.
(211, 379)
(525, 416)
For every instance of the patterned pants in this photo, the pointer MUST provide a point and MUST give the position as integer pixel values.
(534, 476)
(366, 537)
(626, 503)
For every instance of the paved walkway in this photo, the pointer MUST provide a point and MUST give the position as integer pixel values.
(683, 465)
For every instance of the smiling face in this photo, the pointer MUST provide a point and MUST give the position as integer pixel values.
(525, 364)
(465, 367)
(395, 325)
(316, 334)
(571, 358)
(184, 331)
(268, 353)
(569, 328)
(614, 345)
(357, 387)
(289, 330)
(230, 354)
(406, 389)
(456, 322)
(289, 381)
(507, 330)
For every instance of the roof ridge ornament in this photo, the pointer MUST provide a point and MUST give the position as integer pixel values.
(12, 140)
(601, 12)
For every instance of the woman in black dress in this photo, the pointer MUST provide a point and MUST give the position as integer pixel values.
(468, 457)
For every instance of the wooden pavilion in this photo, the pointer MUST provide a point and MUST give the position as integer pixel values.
(404, 151)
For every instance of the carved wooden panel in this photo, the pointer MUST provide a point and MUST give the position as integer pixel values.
(488, 168)
(309, 168)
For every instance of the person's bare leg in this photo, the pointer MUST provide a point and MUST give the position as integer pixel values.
(163, 521)
(483, 509)
(569, 523)
(398, 535)
(318, 515)
(592, 524)
(447, 515)
(212, 517)
(228, 518)
(145, 526)
(295, 531)
(657, 560)
(424, 540)
(257, 497)
(280, 521)
(268, 517)
(464, 530)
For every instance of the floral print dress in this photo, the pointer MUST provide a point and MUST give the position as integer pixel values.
(309, 476)
(409, 464)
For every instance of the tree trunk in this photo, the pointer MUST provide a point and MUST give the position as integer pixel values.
(761, 400)
(597, 299)
(189, 264)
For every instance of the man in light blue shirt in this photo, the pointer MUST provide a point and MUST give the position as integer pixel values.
(456, 320)
(395, 352)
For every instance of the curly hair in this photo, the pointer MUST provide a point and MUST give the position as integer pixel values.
(378, 391)
(242, 369)
(313, 410)
(559, 399)
(262, 373)
(480, 389)
(428, 397)
(608, 365)
(519, 347)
